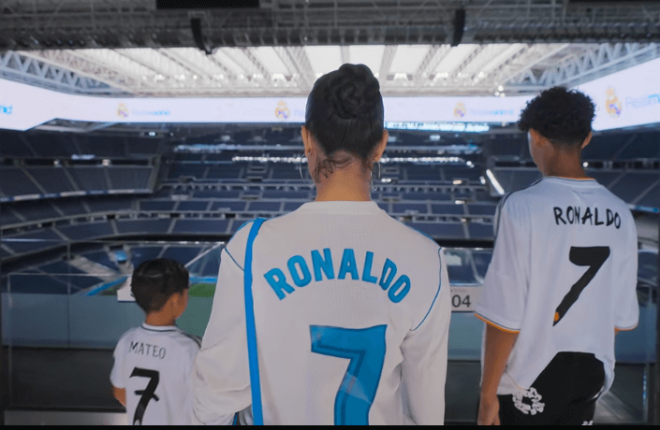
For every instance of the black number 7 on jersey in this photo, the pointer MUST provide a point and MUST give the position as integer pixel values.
(594, 257)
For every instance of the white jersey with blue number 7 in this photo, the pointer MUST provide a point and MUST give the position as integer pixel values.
(351, 313)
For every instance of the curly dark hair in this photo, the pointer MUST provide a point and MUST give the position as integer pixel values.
(562, 116)
(155, 281)
(345, 113)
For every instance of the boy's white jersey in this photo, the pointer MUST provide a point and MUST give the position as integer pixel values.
(154, 365)
(563, 275)
(351, 312)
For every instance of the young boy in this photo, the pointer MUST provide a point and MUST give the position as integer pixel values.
(562, 280)
(153, 362)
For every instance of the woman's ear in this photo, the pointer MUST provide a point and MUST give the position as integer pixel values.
(380, 148)
(307, 141)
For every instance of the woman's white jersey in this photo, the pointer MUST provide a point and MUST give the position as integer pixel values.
(154, 365)
(352, 315)
(563, 275)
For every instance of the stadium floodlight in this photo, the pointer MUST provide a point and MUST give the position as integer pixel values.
(495, 182)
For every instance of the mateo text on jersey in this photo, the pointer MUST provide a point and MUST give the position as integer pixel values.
(147, 349)
(301, 276)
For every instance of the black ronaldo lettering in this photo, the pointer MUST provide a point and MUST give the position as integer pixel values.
(587, 216)
(558, 217)
(570, 214)
(609, 217)
(596, 218)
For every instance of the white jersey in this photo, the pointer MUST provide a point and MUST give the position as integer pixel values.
(154, 365)
(351, 312)
(563, 276)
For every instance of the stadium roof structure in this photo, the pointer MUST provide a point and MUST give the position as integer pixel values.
(467, 69)
(415, 47)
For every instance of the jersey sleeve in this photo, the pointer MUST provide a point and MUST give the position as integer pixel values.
(626, 305)
(424, 367)
(117, 375)
(221, 379)
(503, 295)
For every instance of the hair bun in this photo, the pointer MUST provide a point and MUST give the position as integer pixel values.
(354, 92)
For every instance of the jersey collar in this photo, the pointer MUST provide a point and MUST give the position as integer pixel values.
(159, 328)
(341, 207)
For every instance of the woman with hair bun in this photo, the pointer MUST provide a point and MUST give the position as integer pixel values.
(334, 313)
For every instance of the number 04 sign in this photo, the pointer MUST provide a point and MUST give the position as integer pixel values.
(464, 299)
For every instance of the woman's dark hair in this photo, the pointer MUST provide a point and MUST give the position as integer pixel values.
(562, 116)
(155, 281)
(345, 113)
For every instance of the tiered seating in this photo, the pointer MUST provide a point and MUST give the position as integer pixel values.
(53, 145)
(645, 145)
(444, 230)
(11, 145)
(604, 146)
(33, 241)
(631, 186)
(78, 232)
(52, 180)
(90, 178)
(38, 210)
(143, 226)
(512, 179)
(127, 178)
(14, 182)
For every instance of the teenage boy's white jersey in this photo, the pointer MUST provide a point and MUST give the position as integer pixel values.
(154, 365)
(563, 275)
(351, 312)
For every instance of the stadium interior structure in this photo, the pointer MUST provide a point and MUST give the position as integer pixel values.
(83, 201)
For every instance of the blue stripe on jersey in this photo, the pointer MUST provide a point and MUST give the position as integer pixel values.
(253, 356)
(436, 294)
(239, 229)
(235, 422)
(232, 258)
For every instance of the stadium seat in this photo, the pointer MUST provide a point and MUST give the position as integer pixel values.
(143, 226)
(53, 180)
(480, 231)
(193, 205)
(440, 230)
(447, 209)
(201, 226)
(87, 231)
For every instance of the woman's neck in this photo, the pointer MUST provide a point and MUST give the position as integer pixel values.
(348, 184)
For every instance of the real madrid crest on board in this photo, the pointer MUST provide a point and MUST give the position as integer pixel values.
(460, 110)
(612, 103)
(122, 111)
(282, 110)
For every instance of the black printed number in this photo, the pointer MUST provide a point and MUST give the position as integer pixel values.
(457, 301)
(593, 257)
(147, 394)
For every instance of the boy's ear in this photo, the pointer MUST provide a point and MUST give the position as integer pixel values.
(587, 140)
(536, 138)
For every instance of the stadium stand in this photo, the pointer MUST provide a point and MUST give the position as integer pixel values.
(201, 193)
